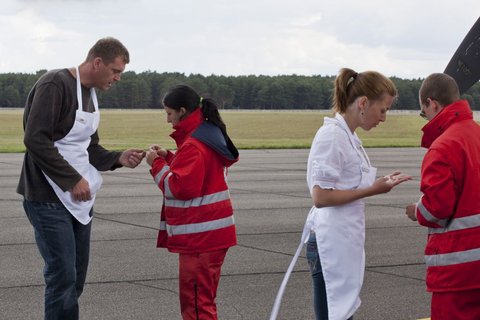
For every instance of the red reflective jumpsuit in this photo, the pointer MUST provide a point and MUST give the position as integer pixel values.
(450, 208)
(197, 214)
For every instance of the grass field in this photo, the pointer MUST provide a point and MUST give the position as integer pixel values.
(120, 129)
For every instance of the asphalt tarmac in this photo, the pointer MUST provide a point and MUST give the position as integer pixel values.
(129, 278)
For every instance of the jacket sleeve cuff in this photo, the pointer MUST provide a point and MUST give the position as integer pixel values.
(169, 156)
(157, 166)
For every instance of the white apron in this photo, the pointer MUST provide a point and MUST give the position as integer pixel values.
(73, 148)
(340, 234)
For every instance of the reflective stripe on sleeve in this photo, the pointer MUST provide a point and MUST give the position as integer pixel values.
(447, 259)
(163, 225)
(200, 227)
(166, 185)
(199, 201)
(428, 216)
(160, 174)
(458, 224)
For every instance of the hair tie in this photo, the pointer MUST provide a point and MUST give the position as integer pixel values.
(352, 78)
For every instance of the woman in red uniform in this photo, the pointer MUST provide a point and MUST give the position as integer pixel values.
(197, 215)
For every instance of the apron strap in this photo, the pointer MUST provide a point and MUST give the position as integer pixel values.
(79, 93)
(278, 299)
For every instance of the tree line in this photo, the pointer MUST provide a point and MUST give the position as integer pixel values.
(145, 90)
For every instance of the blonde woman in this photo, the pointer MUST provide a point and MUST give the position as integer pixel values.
(339, 175)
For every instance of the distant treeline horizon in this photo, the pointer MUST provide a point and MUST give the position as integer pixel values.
(145, 90)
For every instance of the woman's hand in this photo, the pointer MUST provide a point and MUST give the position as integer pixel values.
(154, 152)
(334, 197)
(386, 183)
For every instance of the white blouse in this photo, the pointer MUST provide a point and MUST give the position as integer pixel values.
(333, 162)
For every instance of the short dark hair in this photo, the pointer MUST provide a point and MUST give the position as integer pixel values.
(108, 49)
(440, 87)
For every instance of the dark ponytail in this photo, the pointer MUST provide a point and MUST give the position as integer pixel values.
(211, 114)
(184, 96)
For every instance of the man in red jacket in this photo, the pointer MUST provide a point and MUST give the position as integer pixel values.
(450, 205)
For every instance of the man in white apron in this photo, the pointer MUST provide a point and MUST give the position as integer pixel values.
(60, 177)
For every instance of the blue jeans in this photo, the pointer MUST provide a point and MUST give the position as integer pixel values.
(318, 283)
(64, 244)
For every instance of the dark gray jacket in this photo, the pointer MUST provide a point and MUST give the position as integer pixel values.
(49, 115)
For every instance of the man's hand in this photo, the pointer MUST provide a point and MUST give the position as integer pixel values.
(411, 211)
(81, 191)
(131, 158)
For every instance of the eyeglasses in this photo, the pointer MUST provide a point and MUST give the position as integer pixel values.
(422, 113)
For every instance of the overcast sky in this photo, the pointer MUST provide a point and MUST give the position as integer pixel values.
(404, 38)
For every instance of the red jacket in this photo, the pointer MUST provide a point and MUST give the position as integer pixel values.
(450, 205)
(197, 214)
